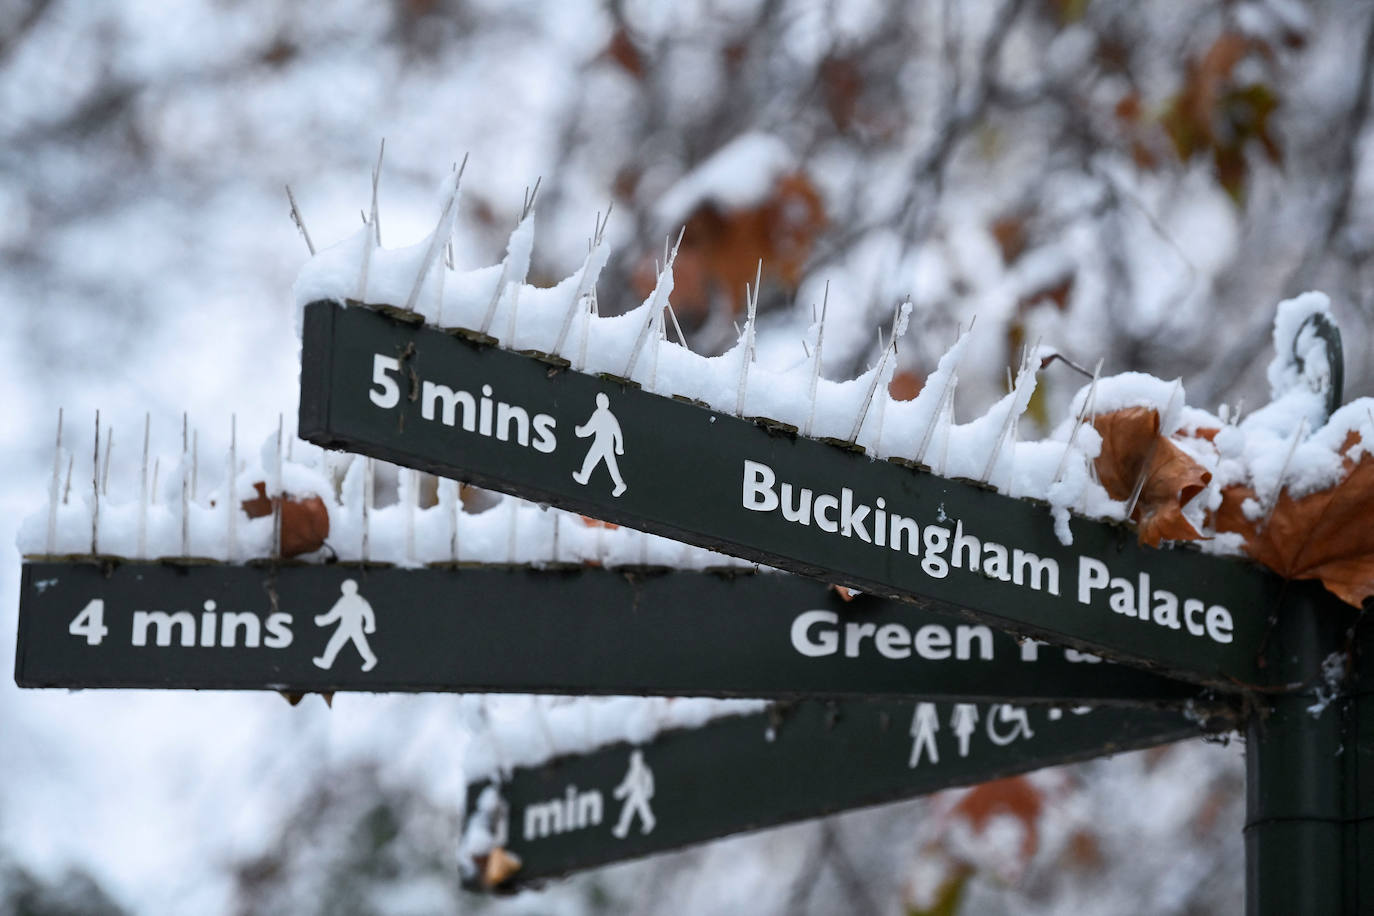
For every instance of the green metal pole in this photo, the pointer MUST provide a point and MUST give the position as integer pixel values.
(1359, 777)
(1296, 836)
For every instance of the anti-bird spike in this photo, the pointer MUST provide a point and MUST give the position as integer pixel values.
(751, 299)
(501, 283)
(525, 213)
(281, 494)
(897, 332)
(657, 352)
(95, 491)
(105, 466)
(530, 195)
(816, 362)
(412, 495)
(899, 320)
(374, 230)
(185, 487)
(376, 220)
(1272, 502)
(677, 328)
(457, 512)
(143, 492)
(553, 550)
(300, 223)
(946, 398)
(231, 508)
(655, 307)
(872, 390)
(588, 315)
(1150, 452)
(53, 488)
(1089, 401)
(436, 241)
(585, 281)
(369, 470)
(1025, 376)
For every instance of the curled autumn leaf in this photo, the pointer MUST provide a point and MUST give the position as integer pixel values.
(1132, 446)
(304, 522)
(1014, 796)
(1324, 535)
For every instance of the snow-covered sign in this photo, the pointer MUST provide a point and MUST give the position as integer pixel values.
(583, 630)
(601, 445)
(785, 764)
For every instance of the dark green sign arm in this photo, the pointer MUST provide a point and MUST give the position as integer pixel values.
(442, 403)
(748, 772)
(582, 630)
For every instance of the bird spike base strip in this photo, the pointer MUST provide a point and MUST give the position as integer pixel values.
(788, 763)
(580, 630)
(445, 403)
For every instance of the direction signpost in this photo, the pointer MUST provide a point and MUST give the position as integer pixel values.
(793, 762)
(453, 404)
(420, 397)
(514, 629)
(948, 567)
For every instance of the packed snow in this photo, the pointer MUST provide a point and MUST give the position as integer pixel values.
(1287, 443)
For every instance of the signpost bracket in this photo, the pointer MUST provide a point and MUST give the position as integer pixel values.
(317, 355)
(1297, 836)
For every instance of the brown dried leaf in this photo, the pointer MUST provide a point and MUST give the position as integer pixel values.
(1014, 796)
(304, 522)
(1324, 535)
(1056, 293)
(842, 82)
(846, 594)
(721, 249)
(1130, 439)
(1084, 850)
(622, 50)
(1010, 234)
(905, 386)
(500, 866)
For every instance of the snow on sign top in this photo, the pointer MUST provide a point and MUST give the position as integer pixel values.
(1218, 479)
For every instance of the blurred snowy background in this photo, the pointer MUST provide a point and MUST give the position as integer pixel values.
(1139, 182)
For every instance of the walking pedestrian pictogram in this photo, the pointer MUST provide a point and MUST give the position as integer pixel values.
(356, 619)
(636, 788)
(607, 442)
